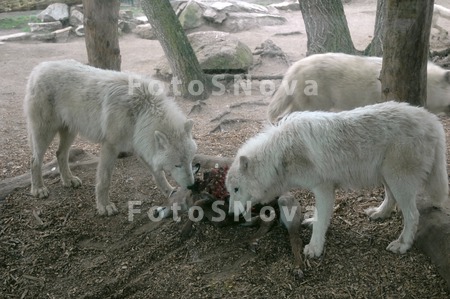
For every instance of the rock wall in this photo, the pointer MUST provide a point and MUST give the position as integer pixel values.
(22, 5)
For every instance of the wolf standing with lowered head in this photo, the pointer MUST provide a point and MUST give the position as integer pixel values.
(394, 144)
(115, 109)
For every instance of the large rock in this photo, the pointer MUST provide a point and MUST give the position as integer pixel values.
(270, 60)
(227, 16)
(55, 12)
(217, 52)
(62, 35)
(287, 5)
(57, 36)
(125, 14)
(214, 16)
(78, 7)
(27, 5)
(145, 31)
(244, 21)
(141, 20)
(48, 37)
(238, 6)
(243, 15)
(76, 17)
(191, 16)
(178, 5)
(45, 27)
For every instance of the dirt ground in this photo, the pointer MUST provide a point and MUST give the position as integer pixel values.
(59, 248)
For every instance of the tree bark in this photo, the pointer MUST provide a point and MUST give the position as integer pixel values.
(101, 19)
(406, 45)
(326, 27)
(24, 5)
(375, 48)
(194, 84)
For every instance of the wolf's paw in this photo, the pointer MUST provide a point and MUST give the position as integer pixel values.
(162, 212)
(73, 181)
(312, 250)
(309, 222)
(398, 247)
(375, 213)
(107, 210)
(39, 192)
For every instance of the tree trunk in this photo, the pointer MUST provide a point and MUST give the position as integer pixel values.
(326, 27)
(406, 44)
(101, 19)
(194, 84)
(404, 78)
(24, 5)
(375, 48)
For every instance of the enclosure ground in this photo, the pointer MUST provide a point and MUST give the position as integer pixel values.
(59, 248)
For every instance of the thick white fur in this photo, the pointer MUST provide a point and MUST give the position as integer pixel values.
(106, 107)
(345, 82)
(440, 11)
(394, 144)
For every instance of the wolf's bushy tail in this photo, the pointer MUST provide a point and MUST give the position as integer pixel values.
(279, 104)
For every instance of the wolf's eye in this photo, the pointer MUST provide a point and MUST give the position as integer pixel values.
(236, 190)
(178, 166)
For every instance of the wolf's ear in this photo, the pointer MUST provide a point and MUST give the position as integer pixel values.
(161, 140)
(244, 163)
(188, 126)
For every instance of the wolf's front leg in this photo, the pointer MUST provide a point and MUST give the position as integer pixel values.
(324, 208)
(105, 168)
(38, 188)
(162, 183)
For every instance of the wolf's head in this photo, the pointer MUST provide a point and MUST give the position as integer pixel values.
(174, 154)
(438, 89)
(243, 182)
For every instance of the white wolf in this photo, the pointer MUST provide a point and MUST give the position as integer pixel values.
(116, 109)
(337, 82)
(394, 144)
(440, 11)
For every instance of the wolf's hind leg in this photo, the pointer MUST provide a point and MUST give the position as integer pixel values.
(40, 139)
(386, 207)
(405, 193)
(108, 155)
(62, 154)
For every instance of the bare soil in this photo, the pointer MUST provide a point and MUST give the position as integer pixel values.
(59, 248)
